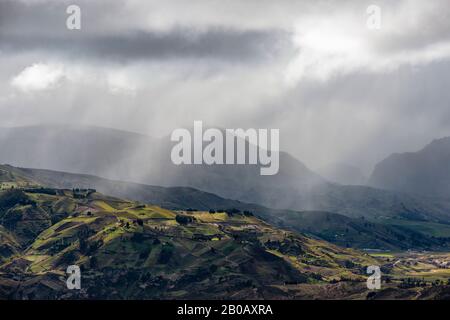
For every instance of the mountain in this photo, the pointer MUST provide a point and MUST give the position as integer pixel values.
(343, 174)
(92, 150)
(168, 197)
(398, 233)
(130, 157)
(130, 250)
(392, 235)
(425, 172)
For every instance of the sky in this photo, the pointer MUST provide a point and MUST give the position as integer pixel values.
(338, 89)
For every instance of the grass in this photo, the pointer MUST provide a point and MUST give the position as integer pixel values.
(208, 217)
(435, 274)
(424, 227)
(8, 185)
(104, 206)
(52, 235)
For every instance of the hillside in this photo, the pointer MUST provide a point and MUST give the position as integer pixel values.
(424, 172)
(168, 197)
(393, 234)
(128, 250)
(398, 233)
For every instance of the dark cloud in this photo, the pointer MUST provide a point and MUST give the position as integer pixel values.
(41, 27)
(227, 45)
(151, 66)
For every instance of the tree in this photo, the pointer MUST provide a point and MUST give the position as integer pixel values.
(93, 262)
(165, 254)
(83, 246)
(181, 219)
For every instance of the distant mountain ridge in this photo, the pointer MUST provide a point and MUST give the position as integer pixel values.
(425, 172)
(344, 231)
(132, 157)
(121, 155)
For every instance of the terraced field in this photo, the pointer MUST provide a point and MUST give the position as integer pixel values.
(137, 250)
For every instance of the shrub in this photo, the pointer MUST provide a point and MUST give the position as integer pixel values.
(165, 254)
(13, 197)
(181, 219)
(232, 211)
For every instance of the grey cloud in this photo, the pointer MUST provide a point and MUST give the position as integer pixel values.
(234, 46)
(357, 117)
(41, 27)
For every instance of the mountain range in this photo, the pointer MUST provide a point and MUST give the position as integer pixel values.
(395, 233)
(425, 172)
(125, 156)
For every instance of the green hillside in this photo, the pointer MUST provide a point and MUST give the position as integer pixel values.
(363, 233)
(403, 230)
(144, 251)
(127, 249)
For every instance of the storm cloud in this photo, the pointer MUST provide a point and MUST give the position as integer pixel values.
(337, 90)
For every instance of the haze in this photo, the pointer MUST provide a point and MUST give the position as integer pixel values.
(338, 91)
